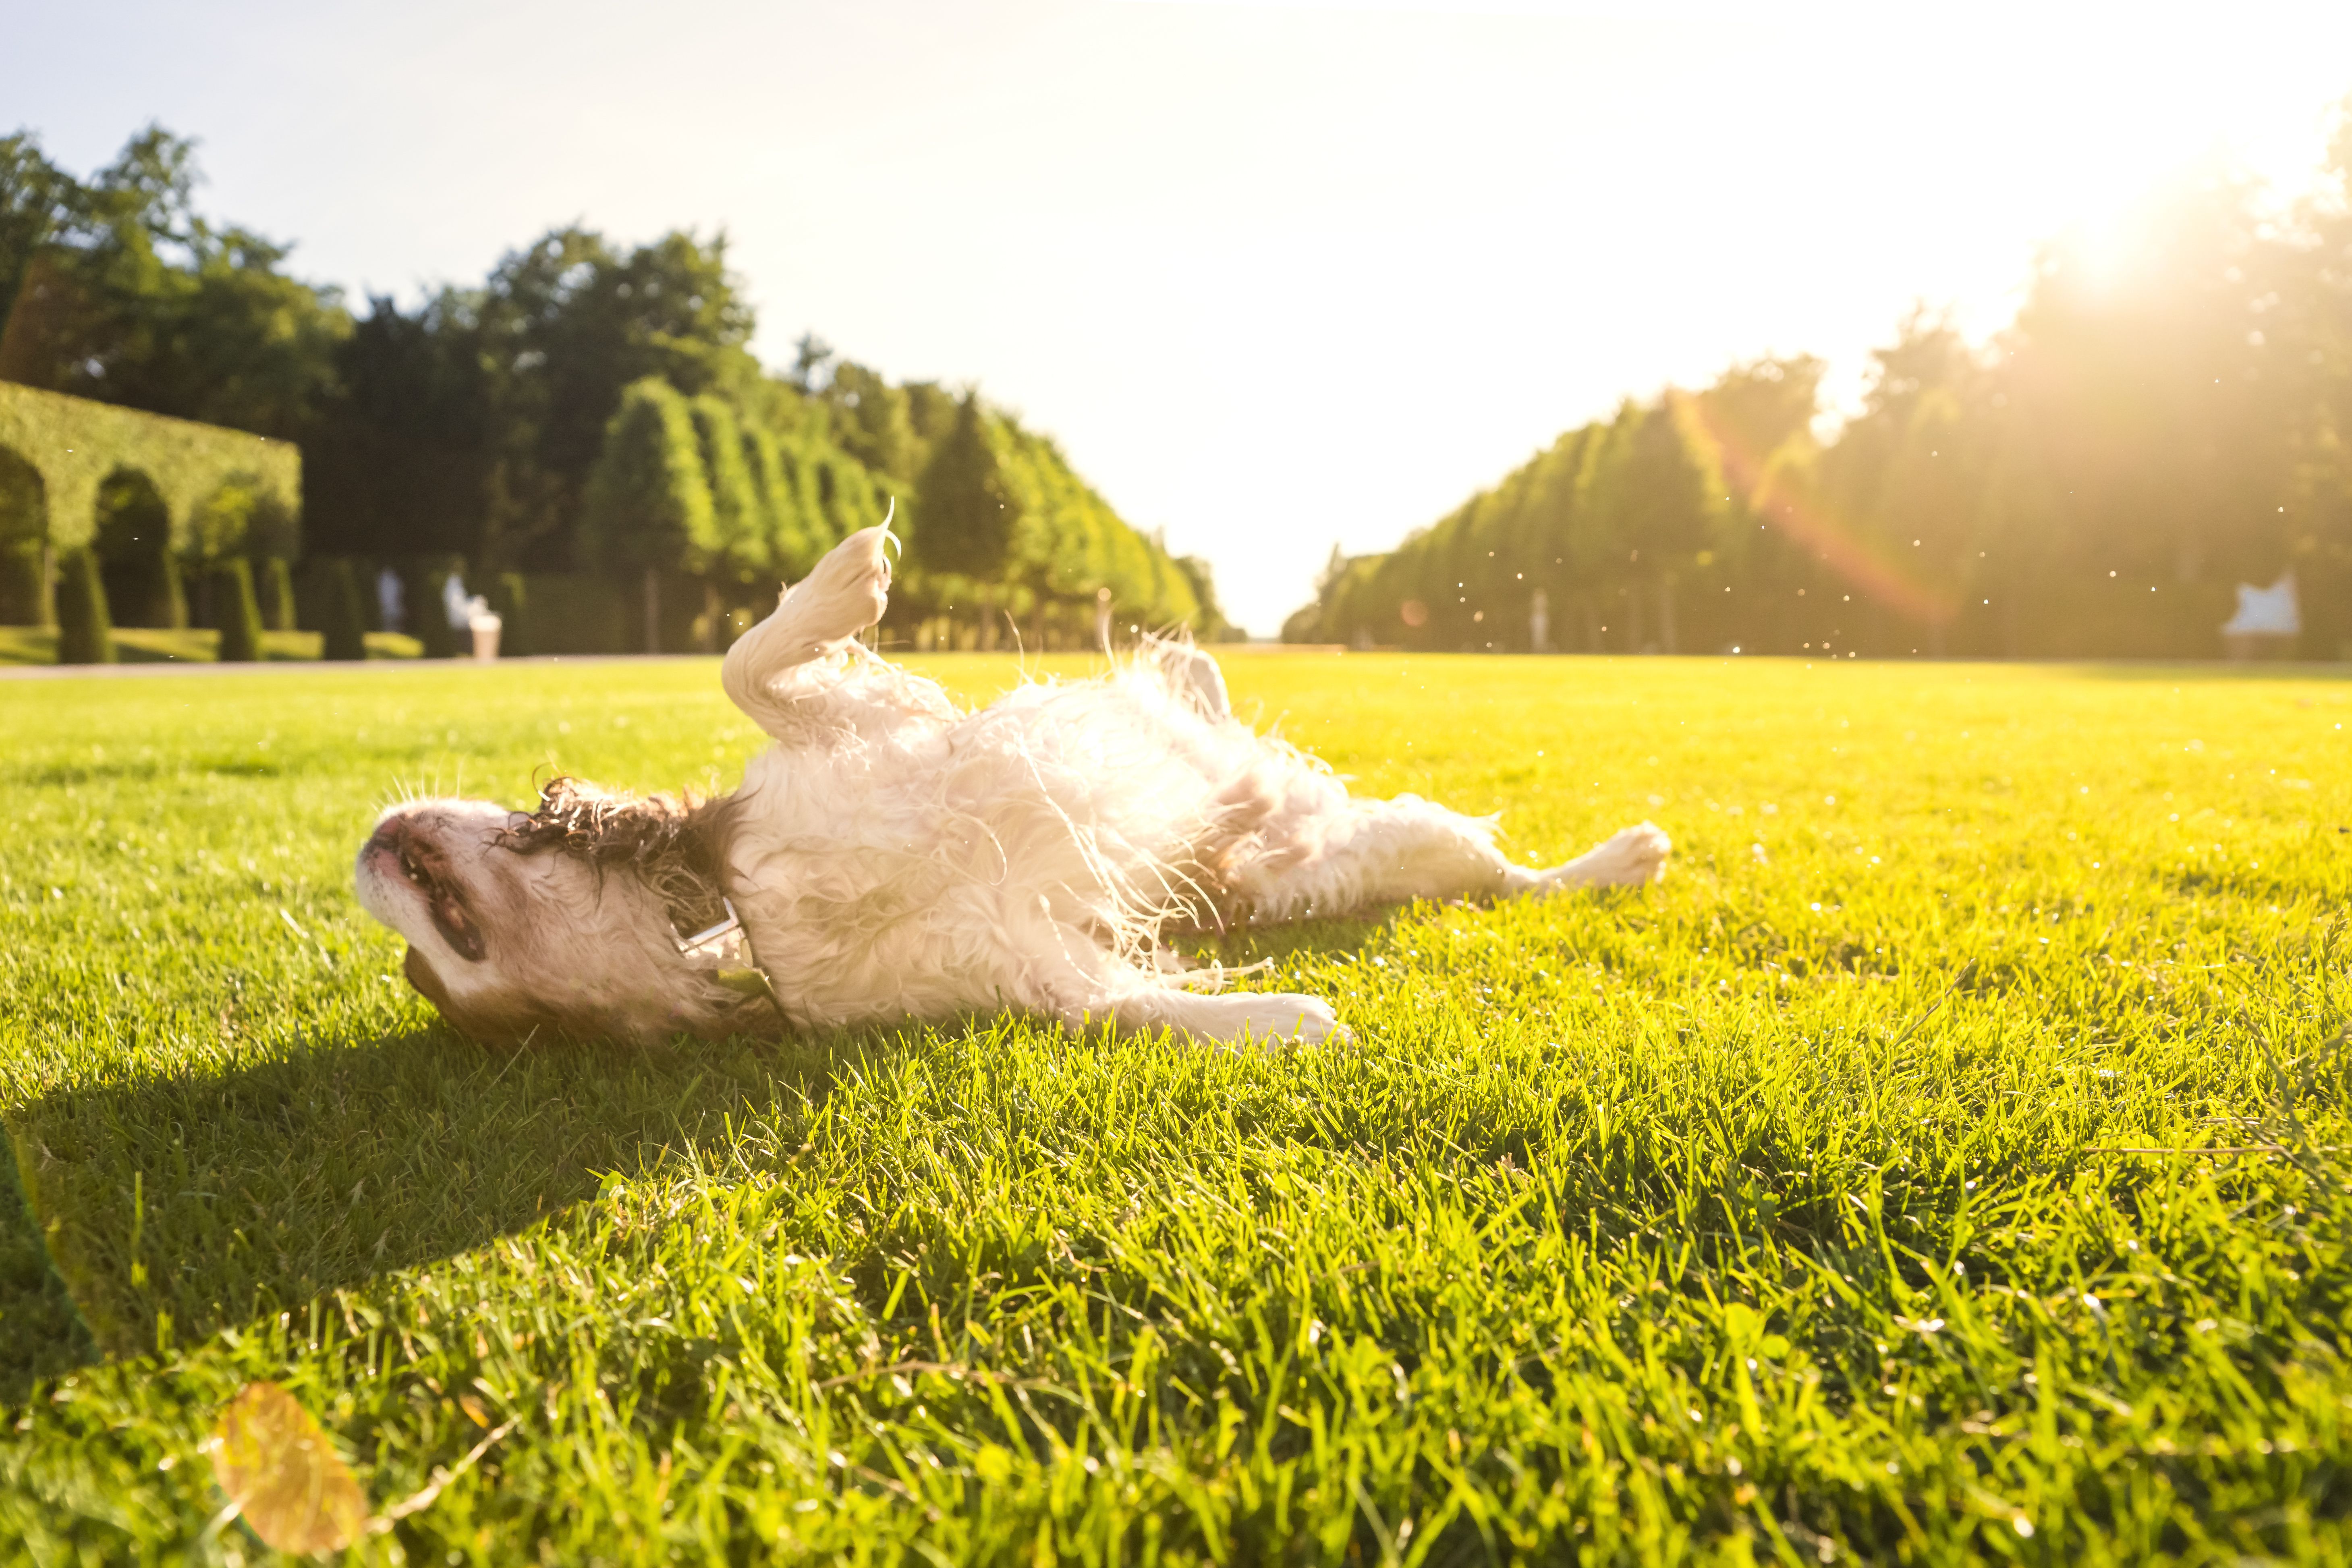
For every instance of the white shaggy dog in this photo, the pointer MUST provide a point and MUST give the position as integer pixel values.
(893, 854)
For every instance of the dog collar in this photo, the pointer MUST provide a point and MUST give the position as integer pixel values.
(749, 982)
(686, 944)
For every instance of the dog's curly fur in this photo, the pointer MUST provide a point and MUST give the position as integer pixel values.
(669, 843)
(894, 855)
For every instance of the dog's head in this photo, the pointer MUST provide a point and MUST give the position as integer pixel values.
(562, 920)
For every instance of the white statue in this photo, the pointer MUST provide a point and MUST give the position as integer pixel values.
(460, 606)
(1539, 624)
(470, 612)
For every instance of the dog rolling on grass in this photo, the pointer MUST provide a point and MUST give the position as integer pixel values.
(894, 855)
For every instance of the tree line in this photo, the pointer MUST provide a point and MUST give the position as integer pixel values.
(586, 436)
(2155, 426)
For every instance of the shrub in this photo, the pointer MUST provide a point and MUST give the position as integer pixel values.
(274, 584)
(343, 617)
(84, 632)
(236, 612)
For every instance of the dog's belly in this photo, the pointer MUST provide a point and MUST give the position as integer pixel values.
(1011, 856)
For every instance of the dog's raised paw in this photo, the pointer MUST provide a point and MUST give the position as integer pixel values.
(847, 590)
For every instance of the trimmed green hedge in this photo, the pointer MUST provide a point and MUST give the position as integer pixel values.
(226, 492)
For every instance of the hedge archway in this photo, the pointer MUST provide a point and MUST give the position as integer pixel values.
(134, 552)
(223, 492)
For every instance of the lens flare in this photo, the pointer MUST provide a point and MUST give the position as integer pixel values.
(1781, 495)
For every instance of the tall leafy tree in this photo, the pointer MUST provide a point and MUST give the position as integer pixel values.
(739, 511)
(142, 301)
(649, 506)
(399, 460)
(969, 519)
(786, 513)
(2312, 323)
(38, 206)
(871, 421)
(589, 406)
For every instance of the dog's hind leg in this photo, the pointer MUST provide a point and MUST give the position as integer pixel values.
(1191, 675)
(1387, 851)
(776, 671)
(1626, 858)
(1201, 677)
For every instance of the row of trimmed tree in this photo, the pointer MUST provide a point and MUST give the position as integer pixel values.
(1004, 540)
(2093, 481)
(584, 438)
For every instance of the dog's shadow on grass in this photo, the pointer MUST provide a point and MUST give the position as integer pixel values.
(173, 1206)
(1283, 943)
(162, 1208)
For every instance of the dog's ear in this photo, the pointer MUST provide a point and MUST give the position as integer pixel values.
(511, 1023)
(604, 826)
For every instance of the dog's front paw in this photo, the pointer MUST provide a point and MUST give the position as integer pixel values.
(847, 590)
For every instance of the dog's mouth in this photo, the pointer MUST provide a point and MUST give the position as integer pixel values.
(399, 848)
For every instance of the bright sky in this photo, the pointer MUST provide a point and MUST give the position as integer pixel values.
(1278, 275)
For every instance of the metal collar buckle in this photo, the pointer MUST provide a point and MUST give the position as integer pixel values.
(704, 938)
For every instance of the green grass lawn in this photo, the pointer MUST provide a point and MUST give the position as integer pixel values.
(1800, 1207)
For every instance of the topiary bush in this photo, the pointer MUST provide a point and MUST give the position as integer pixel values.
(275, 585)
(236, 611)
(342, 615)
(427, 616)
(85, 631)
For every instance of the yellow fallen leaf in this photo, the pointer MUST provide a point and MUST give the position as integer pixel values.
(279, 1471)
